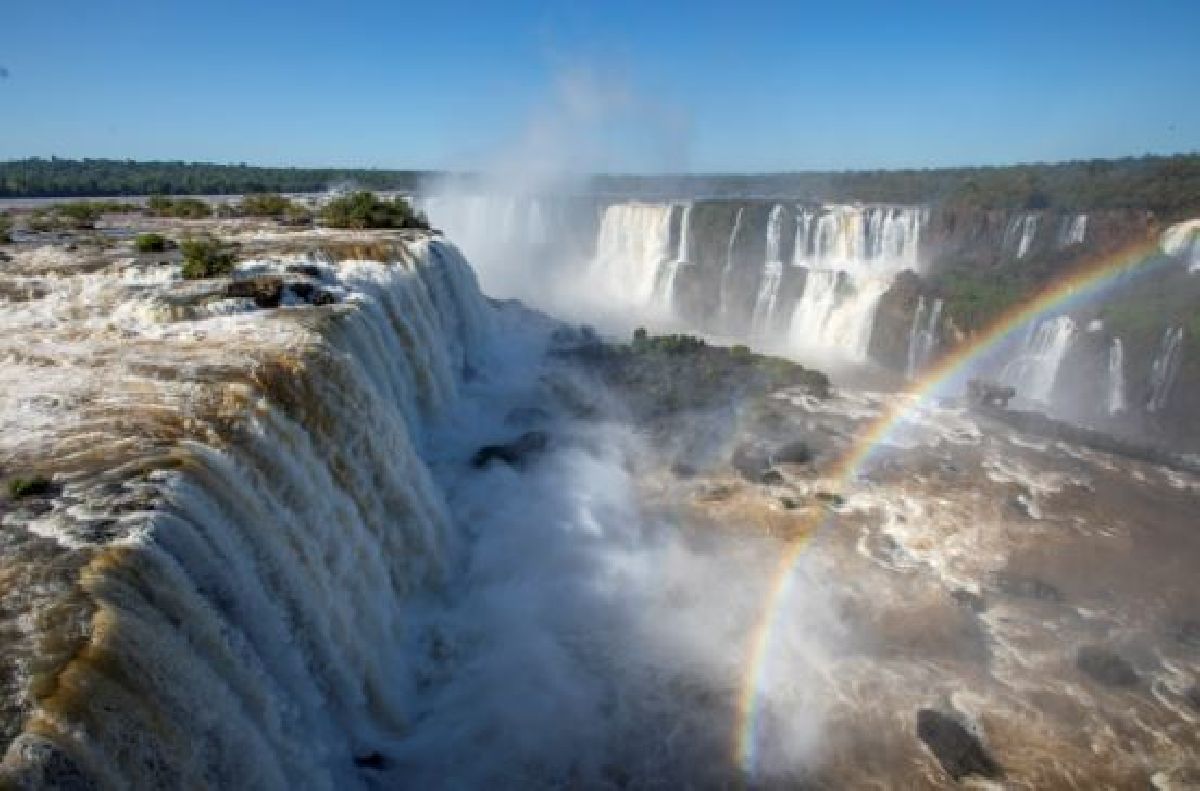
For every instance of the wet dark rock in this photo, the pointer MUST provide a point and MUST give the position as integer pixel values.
(755, 461)
(683, 470)
(972, 601)
(957, 749)
(795, 451)
(526, 415)
(39, 763)
(371, 760)
(1024, 587)
(308, 270)
(516, 453)
(36, 486)
(1106, 667)
(1188, 633)
(717, 492)
(751, 461)
(1193, 696)
(1022, 505)
(771, 478)
(311, 293)
(983, 393)
(266, 291)
(831, 498)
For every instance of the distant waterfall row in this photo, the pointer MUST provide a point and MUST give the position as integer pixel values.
(839, 260)
(823, 281)
(1037, 365)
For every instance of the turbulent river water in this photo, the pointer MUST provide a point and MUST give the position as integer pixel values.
(260, 551)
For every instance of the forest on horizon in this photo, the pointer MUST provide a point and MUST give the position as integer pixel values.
(1166, 185)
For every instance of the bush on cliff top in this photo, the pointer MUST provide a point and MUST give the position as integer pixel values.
(179, 208)
(150, 243)
(273, 205)
(205, 257)
(670, 373)
(367, 210)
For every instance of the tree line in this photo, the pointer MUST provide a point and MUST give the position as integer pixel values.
(35, 177)
(1166, 185)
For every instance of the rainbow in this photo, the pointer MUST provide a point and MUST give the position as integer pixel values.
(1083, 283)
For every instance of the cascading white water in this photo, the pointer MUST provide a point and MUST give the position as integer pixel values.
(664, 295)
(1116, 377)
(772, 276)
(768, 294)
(852, 253)
(238, 622)
(1183, 241)
(1165, 368)
(631, 248)
(922, 336)
(685, 235)
(803, 246)
(1073, 230)
(727, 272)
(1020, 233)
(1034, 371)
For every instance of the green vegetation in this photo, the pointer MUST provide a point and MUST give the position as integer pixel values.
(1169, 186)
(367, 210)
(5, 228)
(179, 208)
(1147, 309)
(667, 344)
(973, 299)
(77, 215)
(28, 487)
(63, 177)
(270, 204)
(206, 257)
(150, 243)
(666, 374)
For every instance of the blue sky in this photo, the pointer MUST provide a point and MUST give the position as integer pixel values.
(725, 86)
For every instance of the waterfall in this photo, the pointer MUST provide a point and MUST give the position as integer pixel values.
(772, 276)
(631, 248)
(768, 293)
(215, 597)
(664, 290)
(852, 254)
(1116, 377)
(922, 336)
(803, 246)
(1034, 371)
(1183, 241)
(1073, 230)
(914, 338)
(1165, 368)
(1020, 233)
(727, 272)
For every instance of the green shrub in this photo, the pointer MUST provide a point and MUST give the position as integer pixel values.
(367, 210)
(973, 300)
(266, 204)
(150, 243)
(205, 257)
(5, 228)
(83, 214)
(26, 487)
(179, 208)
